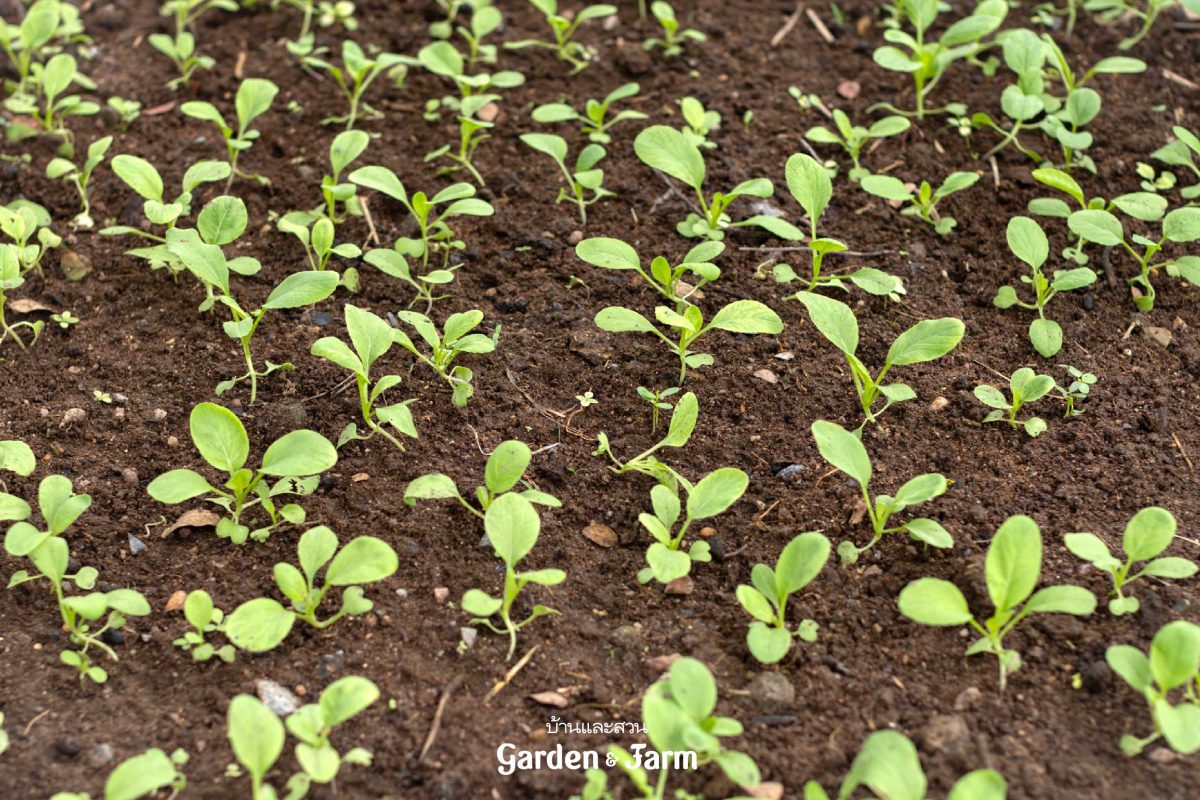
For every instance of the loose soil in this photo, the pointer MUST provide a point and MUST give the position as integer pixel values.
(140, 336)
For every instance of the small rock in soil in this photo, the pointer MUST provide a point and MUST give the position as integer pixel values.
(157, 415)
(100, 755)
(74, 266)
(468, 636)
(946, 733)
(681, 586)
(600, 534)
(1162, 755)
(766, 375)
(939, 403)
(441, 594)
(330, 664)
(791, 471)
(320, 318)
(113, 637)
(278, 698)
(772, 692)
(136, 545)
(68, 746)
(770, 790)
(717, 546)
(72, 416)
(1160, 336)
(707, 532)
(130, 475)
(627, 637)
(967, 699)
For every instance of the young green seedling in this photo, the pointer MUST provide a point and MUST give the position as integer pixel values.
(454, 340)
(585, 177)
(673, 38)
(512, 527)
(485, 20)
(887, 765)
(853, 138)
(922, 201)
(1173, 663)
(766, 598)
(353, 78)
(1012, 568)
(1076, 391)
(657, 403)
(594, 119)
(698, 123)
(16, 457)
(711, 495)
(11, 278)
(809, 183)
(846, 452)
(257, 736)
(50, 107)
(928, 340)
(740, 316)
(78, 175)
(505, 469)
(564, 29)
(45, 25)
(371, 338)
(1182, 153)
(673, 153)
(296, 459)
(1026, 386)
(1119, 10)
(665, 279)
(144, 775)
(254, 98)
(1149, 532)
(27, 224)
(683, 423)
(1028, 242)
(205, 618)
(181, 49)
(263, 623)
(328, 13)
(314, 723)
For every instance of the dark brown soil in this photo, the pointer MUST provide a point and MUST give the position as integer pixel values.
(140, 336)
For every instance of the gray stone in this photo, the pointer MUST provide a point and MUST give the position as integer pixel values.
(772, 692)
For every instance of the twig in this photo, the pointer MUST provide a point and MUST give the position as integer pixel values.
(437, 716)
(1186, 457)
(239, 68)
(820, 26)
(787, 26)
(995, 171)
(512, 673)
(33, 721)
(857, 253)
(374, 236)
(1182, 81)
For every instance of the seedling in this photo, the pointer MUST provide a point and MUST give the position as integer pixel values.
(257, 737)
(313, 724)
(928, 340)
(263, 623)
(740, 316)
(505, 469)
(485, 20)
(812, 188)
(928, 61)
(671, 152)
(673, 37)
(665, 279)
(683, 423)
(845, 451)
(888, 766)
(296, 458)
(50, 107)
(78, 175)
(594, 120)
(585, 177)
(1025, 386)
(143, 775)
(254, 98)
(1181, 153)
(1012, 567)
(769, 638)
(563, 29)
(698, 122)
(1028, 242)
(711, 495)
(208, 264)
(921, 201)
(371, 338)
(1076, 391)
(657, 403)
(1173, 663)
(512, 527)
(327, 13)
(45, 24)
(1115, 10)
(853, 138)
(454, 340)
(205, 618)
(181, 48)
(11, 278)
(319, 246)
(1149, 533)
(1025, 101)
(355, 75)
(27, 224)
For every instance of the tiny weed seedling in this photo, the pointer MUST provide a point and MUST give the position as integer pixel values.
(454, 340)
(1076, 391)
(594, 120)
(254, 98)
(1150, 532)
(683, 423)
(1173, 663)
(205, 618)
(665, 279)
(740, 316)
(585, 177)
(921, 201)
(512, 527)
(809, 183)
(79, 175)
(371, 338)
(564, 28)
(710, 496)
(928, 340)
(844, 451)
(505, 469)
(296, 459)
(27, 225)
(887, 765)
(263, 623)
(766, 597)
(11, 278)
(673, 153)
(355, 75)
(1025, 386)
(853, 138)
(1012, 568)
(144, 775)
(1028, 242)
(1182, 152)
(673, 37)
(657, 402)
(698, 122)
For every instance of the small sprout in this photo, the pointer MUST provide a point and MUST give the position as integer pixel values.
(127, 110)
(845, 451)
(586, 399)
(922, 201)
(852, 138)
(355, 75)
(667, 280)
(50, 107)
(505, 469)
(673, 38)
(594, 119)
(101, 397)
(766, 598)
(11, 278)
(1182, 153)
(78, 175)
(1077, 390)
(683, 423)
(254, 98)
(27, 224)
(454, 340)
(564, 29)
(296, 459)
(143, 775)
(1026, 386)
(512, 527)
(64, 320)
(928, 340)
(711, 495)
(584, 178)
(1028, 242)
(698, 122)
(205, 618)
(1012, 568)
(181, 48)
(657, 403)
(1173, 663)
(1149, 532)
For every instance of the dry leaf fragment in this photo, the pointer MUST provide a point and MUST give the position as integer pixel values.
(196, 518)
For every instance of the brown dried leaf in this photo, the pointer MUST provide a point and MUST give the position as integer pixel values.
(196, 518)
(176, 601)
(23, 306)
(550, 699)
(600, 534)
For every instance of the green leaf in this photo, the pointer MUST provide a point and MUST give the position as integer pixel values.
(198, 608)
(933, 601)
(809, 183)
(716, 492)
(683, 421)
(833, 319)
(1028, 241)
(548, 143)
(1062, 600)
(315, 548)
(755, 604)
(1180, 725)
(920, 489)
(747, 316)
(255, 734)
(930, 532)
(380, 179)
(1131, 664)
(1013, 562)
(434, 486)
(768, 644)
(365, 559)
(369, 333)
(842, 449)
(667, 565)
(802, 559)
(345, 148)
(1182, 225)
(927, 340)
(692, 687)
(602, 251)
(1175, 654)
(886, 186)
(139, 776)
(1097, 225)
(302, 289)
(616, 319)
(980, 784)
(177, 486)
(1148, 533)
(219, 436)
(18, 457)
(297, 454)
(888, 765)
(669, 151)
(345, 698)
(506, 465)
(1046, 336)
(1090, 548)
(512, 525)
(222, 220)
(259, 625)
(1170, 567)
(59, 504)
(479, 604)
